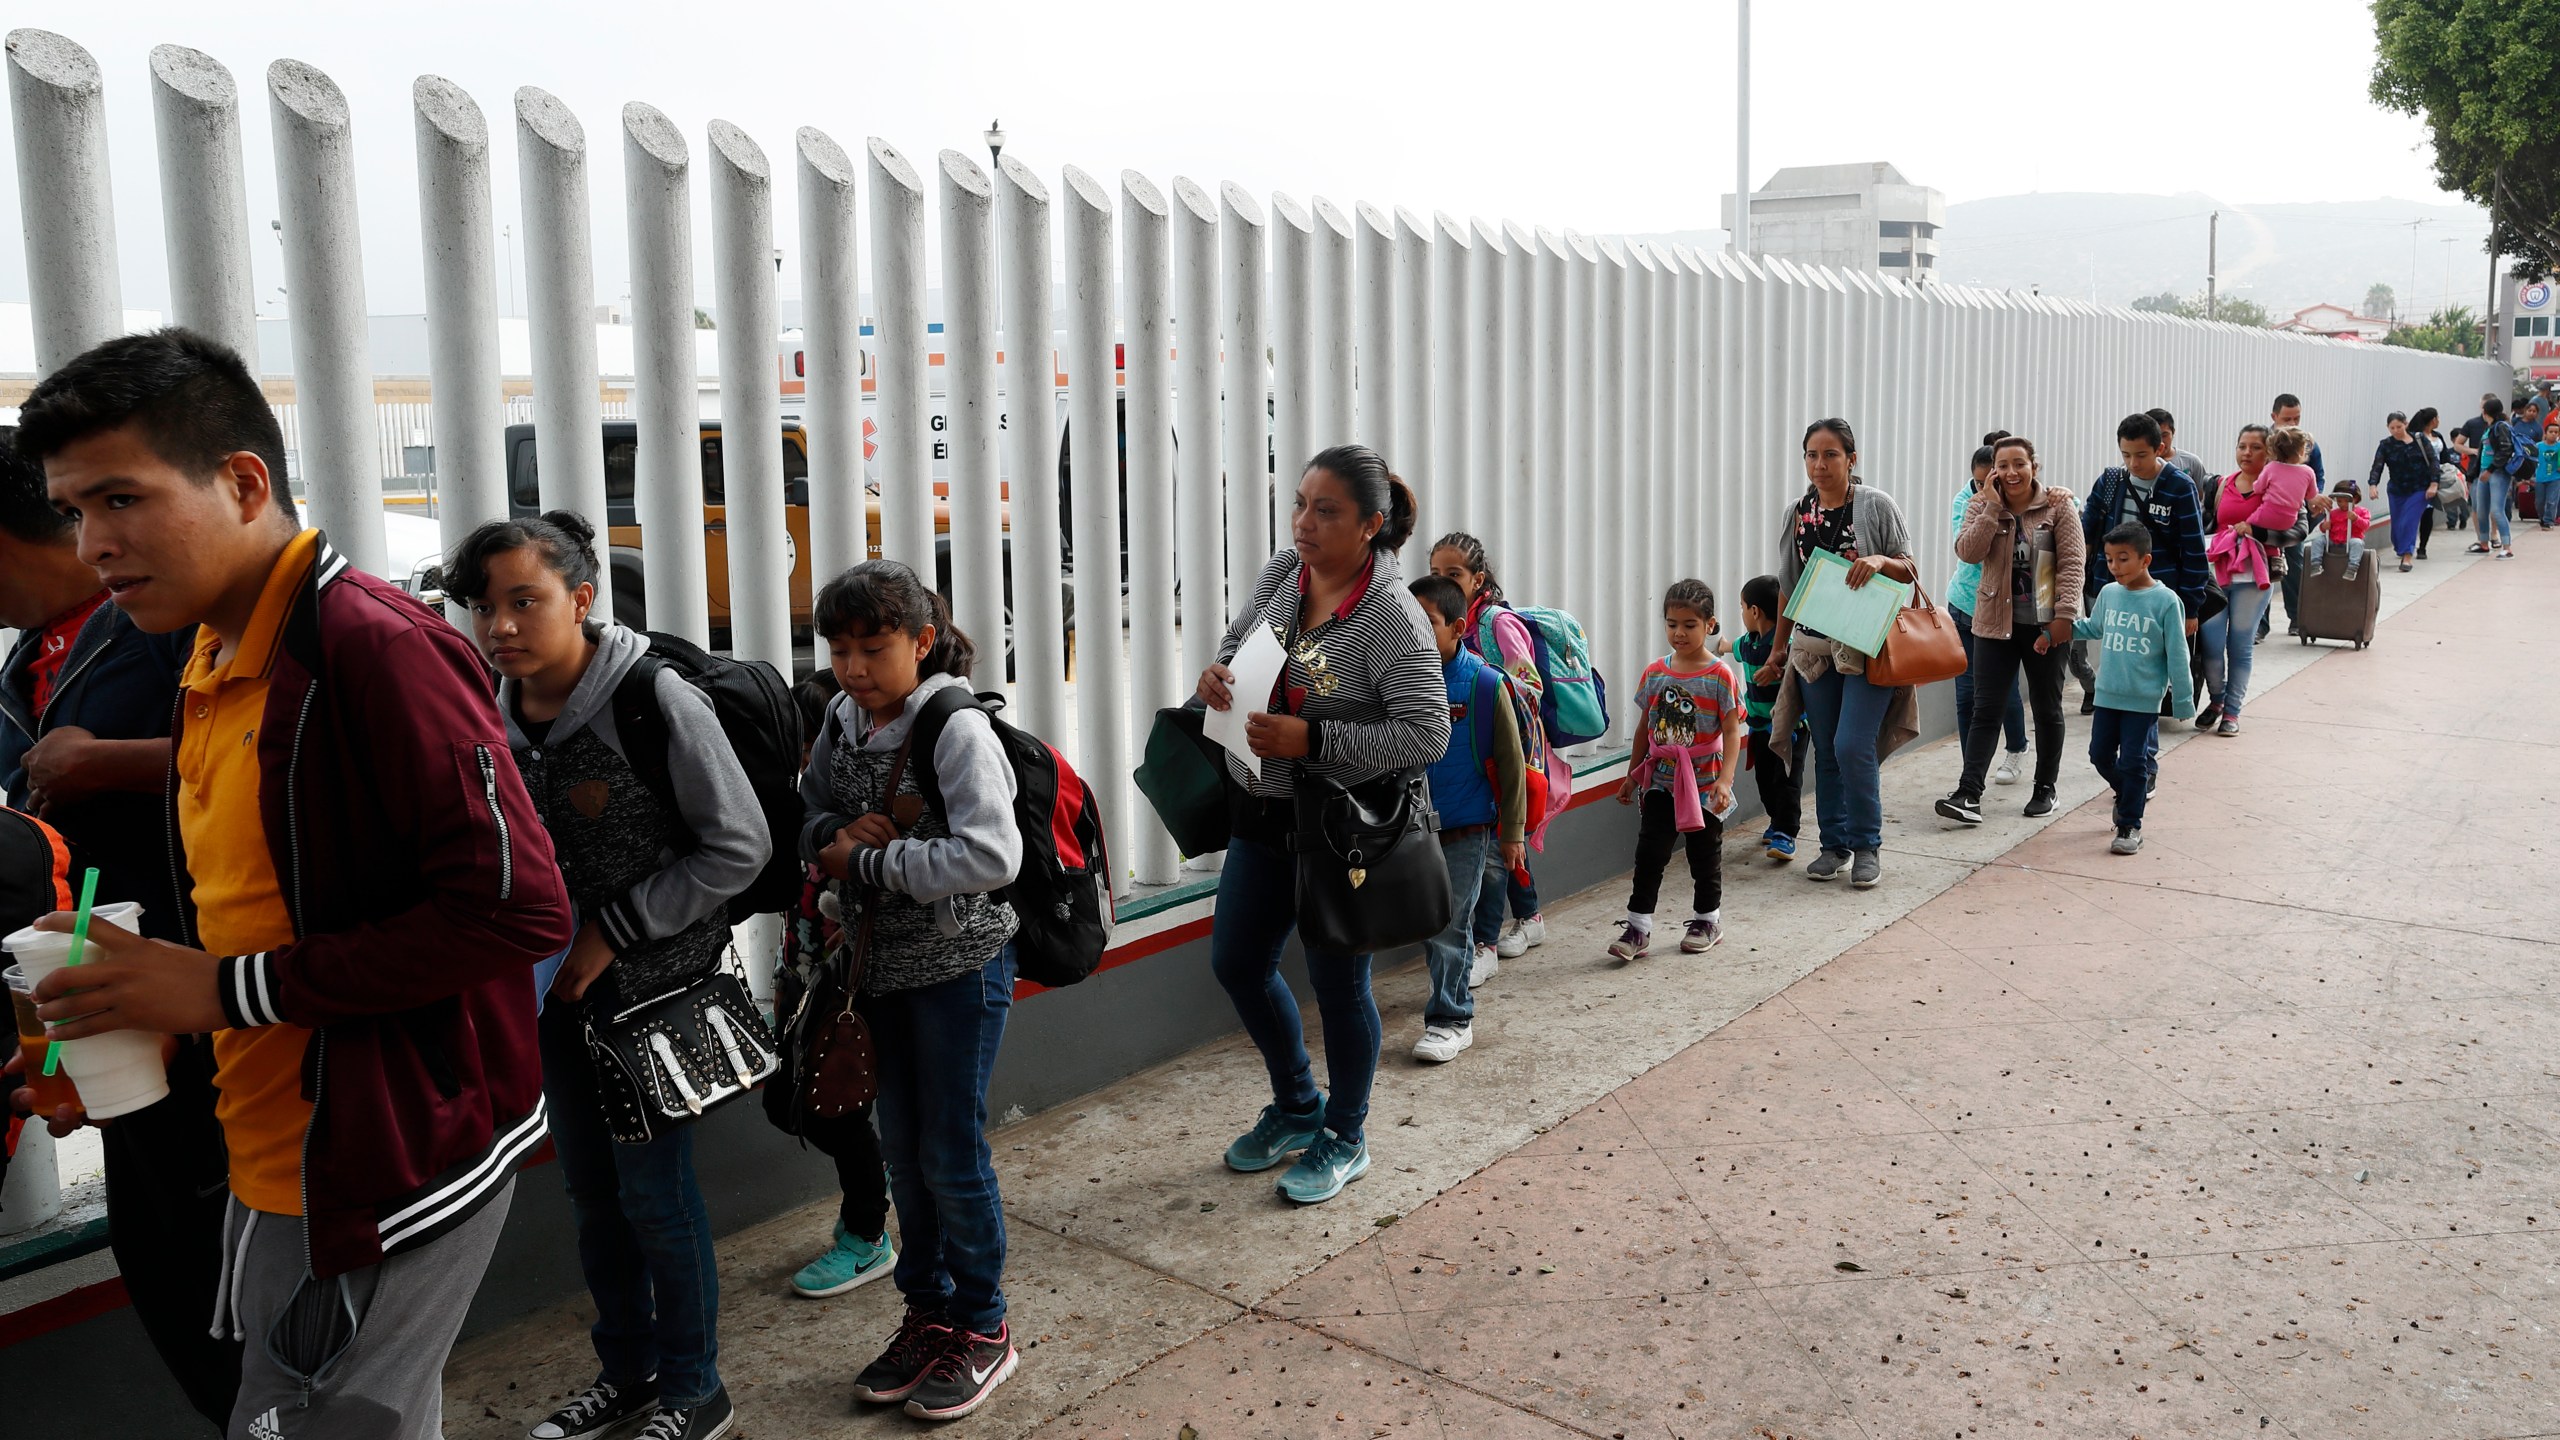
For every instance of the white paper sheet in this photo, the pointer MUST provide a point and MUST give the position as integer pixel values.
(1256, 667)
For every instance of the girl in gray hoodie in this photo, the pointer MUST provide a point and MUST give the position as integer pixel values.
(651, 877)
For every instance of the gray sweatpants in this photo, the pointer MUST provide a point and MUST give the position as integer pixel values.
(375, 1345)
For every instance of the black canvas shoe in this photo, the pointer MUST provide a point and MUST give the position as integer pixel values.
(707, 1421)
(599, 1410)
(966, 1372)
(922, 1337)
(2040, 804)
(1961, 808)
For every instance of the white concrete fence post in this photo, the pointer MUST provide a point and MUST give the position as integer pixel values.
(66, 202)
(1336, 422)
(1146, 290)
(341, 469)
(1412, 426)
(1031, 451)
(455, 235)
(1548, 578)
(204, 202)
(1376, 354)
(901, 377)
(831, 339)
(1517, 476)
(1199, 502)
(560, 285)
(1488, 257)
(1246, 380)
(971, 409)
(1445, 493)
(1295, 435)
(742, 272)
(1102, 690)
(667, 497)
(1614, 447)
(1584, 429)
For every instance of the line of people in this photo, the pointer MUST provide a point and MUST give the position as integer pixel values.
(402, 884)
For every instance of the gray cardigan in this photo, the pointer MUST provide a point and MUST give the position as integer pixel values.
(1872, 513)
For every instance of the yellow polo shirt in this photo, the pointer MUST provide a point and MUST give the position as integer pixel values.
(240, 905)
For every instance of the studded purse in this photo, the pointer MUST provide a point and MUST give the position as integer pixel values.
(670, 1059)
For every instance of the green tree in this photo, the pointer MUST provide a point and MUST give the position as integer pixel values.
(2454, 330)
(702, 319)
(2232, 310)
(2379, 302)
(2481, 74)
(2166, 303)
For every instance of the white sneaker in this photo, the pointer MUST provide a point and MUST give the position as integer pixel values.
(1534, 929)
(2006, 772)
(1440, 1044)
(1488, 964)
(1515, 940)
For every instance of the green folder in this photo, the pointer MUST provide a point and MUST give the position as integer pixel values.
(1860, 618)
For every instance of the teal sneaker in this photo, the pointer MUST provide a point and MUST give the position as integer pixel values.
(1329, 1164)
(1272, 1138)
(849, 1263)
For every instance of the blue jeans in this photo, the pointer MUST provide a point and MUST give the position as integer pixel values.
(935, 1046)
(2489, 510)
(644, 1239)
(1521, 901)
(1452, 952)
(1257, 908)
(2546, 501)
(2125, 746)
(2231, 645)
(2015, 722)
(1848, 795)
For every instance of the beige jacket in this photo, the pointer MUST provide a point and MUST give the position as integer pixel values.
(1989, 537)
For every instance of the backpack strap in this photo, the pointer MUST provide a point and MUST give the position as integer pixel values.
(640, 722)
(926, 733)
(1480, 714)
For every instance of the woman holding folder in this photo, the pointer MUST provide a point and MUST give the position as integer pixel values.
(1855, 723)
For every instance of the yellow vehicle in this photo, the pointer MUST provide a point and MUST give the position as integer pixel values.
(629, 570)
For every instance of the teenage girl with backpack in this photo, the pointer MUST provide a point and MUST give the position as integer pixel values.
(1461, 558)
(937, 971)
(652, 883)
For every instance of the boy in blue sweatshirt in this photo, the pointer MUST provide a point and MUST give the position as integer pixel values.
(1480, 787)
(2139, 625)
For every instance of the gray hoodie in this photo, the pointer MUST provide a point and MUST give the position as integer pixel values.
(711, 849)
(935, 919)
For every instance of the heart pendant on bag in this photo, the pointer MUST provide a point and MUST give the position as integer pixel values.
(1359, 877)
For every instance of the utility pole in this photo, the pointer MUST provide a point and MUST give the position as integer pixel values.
(2212, 265)
(1742, 132)
(2489, 327)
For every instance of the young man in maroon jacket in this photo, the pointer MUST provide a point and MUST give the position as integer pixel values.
(361, 879)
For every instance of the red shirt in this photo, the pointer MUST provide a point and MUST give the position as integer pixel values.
(53, 648)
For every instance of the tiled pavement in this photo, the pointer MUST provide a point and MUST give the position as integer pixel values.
(2255, 1133)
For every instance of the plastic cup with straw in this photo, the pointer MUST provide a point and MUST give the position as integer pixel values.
(79, 942)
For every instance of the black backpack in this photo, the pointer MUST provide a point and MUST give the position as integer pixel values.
(763, 726)
(1062, 893)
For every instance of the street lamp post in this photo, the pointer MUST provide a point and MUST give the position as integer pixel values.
(995, 145)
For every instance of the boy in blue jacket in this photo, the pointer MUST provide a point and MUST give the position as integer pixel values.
(2148, 489)
(2135, 626)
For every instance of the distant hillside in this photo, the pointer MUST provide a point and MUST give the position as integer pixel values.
(2285, 257)
(2282, 256)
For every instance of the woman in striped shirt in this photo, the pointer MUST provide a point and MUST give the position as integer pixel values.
(1360, 696)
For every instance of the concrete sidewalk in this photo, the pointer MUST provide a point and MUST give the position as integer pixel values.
(2250, 1133)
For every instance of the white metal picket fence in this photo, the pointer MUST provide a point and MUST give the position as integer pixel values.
(1606, 415)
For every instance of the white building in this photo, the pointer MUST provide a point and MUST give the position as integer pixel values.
(1849, 217)
(2335, 321)
(2533, 328)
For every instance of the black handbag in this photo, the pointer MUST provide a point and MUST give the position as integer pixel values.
(1370, 872)
(667, 1060)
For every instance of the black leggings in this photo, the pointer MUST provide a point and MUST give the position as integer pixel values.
(1657, 836)
(1997, 665)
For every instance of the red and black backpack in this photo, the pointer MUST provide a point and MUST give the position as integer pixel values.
(1062, 893)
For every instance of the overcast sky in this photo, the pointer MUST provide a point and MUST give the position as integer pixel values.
(1604, 118)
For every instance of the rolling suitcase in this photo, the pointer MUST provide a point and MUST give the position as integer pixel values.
(2336, 608)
